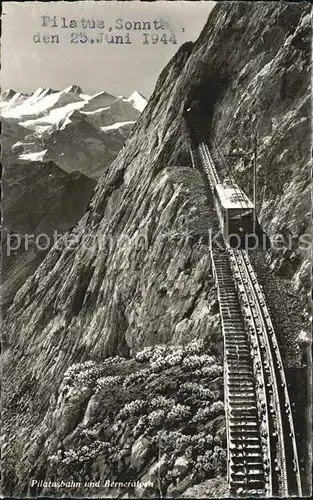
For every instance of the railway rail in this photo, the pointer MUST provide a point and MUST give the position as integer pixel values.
(261, 446)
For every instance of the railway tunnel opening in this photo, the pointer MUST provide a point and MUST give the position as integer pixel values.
(201, 101)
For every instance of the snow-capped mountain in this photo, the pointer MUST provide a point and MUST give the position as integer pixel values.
(138, 101)
(75, 130)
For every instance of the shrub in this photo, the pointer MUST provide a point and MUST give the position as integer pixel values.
(133, 408)
(87, 372)
(197, 390)
(194, 347)
(84, 454)
(138, 376)
(155, 418)
(109, 381)
(197, 361)
(179, 412)
(212, 371)
(161, 402)
(217, 408)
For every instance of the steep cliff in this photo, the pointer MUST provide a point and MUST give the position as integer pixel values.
(135, 272)
(40, 203)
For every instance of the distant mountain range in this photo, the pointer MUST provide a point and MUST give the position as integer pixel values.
(78, 132)
(55, 145)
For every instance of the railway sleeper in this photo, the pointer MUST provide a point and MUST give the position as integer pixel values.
(231, 332)
(250, 474)
(238, 456)
(243, 347)
(234, 361)
(243, 465)
(235, 375)
(253, 447)
(238, 347)
(235, 317)
(240, 389)
(237, 340)
(247, 485)
(238, 333)
(233, 351)
(243, 371)
(254, 460)
(236, 355)
(243, 404)
(241, 344)
(244, 424)
(233, 378)
(245, 418)
(235, 324)
(243, 398)
(245, 366)
(240, 478)
(248, 478)
(243, 412)
(243, 395)
(245, 438)
(228, 302)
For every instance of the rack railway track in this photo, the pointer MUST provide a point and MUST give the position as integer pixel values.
(261, 447)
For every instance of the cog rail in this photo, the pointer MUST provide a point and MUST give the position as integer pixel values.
(262, 452)
(285, 466)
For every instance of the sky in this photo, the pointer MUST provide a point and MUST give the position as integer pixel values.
(52, 52)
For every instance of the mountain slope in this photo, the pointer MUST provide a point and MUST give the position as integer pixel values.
(140, 275)
(40, 203)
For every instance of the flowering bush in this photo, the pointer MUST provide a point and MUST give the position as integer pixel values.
(202, 415)
(212, 371)
(197, 390)
(156, 418)
(108, 381)
(162, 402)
(140, 375)
(133, 408)
(178, 412)
(91, 431)
(217, 408)
(197, 361)
(144, 355)
(174, 358)
(218, 459)
(87, 372)
(194, 347)
(151, 352)
(206, 413)
(203, 463)
(210, 463)
(173, 407)
(84, 454)
(158, 365)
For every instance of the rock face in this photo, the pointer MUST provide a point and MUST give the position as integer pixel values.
(137, 273)
(271, 89)
(40, 203)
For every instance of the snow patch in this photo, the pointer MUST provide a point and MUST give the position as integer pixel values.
(94, 112)
(38, 156)
(117, 125)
